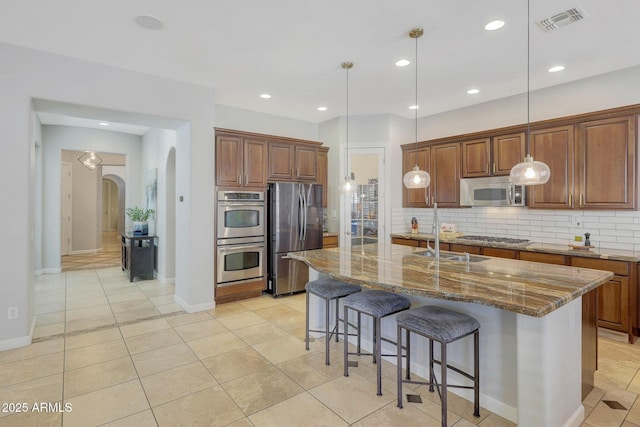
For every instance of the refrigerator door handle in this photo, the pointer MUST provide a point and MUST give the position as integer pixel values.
(304, 213)
(300, 216)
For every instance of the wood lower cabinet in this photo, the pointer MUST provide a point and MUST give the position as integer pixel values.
(500, 252)
(323, 172)
(329, 242)
(470, 249)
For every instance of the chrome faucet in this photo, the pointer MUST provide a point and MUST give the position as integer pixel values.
(435, 228)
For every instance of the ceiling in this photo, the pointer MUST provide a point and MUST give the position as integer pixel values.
(293, 49)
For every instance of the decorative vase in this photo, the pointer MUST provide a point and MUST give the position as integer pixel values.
(140, 228)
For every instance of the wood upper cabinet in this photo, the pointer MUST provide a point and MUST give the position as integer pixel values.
(323, 171)
(240, 162)
(419, 197)
(445, 174)
(492, 156)
(606, 164)
(555, 147)
(594, 167)
(292, 162)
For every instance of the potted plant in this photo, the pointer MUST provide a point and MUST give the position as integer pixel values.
(139, 218)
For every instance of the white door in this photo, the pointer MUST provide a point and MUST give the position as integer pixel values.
(65, 209)
(364, 211)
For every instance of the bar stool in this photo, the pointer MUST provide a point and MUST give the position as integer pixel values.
(377, 304)
(444, 326)
(329, 290)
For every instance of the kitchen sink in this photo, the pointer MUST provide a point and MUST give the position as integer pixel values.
(449, 256)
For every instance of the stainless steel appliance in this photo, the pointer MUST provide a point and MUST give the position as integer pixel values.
(240, 214)
(295, 224)
(240, 260)
(240, 245)
(492, 191)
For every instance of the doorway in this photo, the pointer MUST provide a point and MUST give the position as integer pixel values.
(110, 205)
(364, 210)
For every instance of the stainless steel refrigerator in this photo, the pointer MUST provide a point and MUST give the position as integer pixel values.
(294, 217)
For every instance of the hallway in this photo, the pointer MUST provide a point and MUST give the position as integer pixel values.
(108, 257)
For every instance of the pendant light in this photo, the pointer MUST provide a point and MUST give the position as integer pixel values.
(529, 172)
(90, 160)
(416, 178)
(348, 186)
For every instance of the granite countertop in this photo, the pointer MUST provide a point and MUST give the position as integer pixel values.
(612, 254)
(523, 287)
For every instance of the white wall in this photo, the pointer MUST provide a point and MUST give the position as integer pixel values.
(28, 74)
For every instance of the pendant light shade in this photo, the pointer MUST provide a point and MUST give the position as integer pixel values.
(348, 186)
(416, 178)
(530, 172)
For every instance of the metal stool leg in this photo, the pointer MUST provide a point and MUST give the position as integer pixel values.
(326, 330)
(476, 374)
(346, 341)
(399, 363)
(408, 376)
(378, 352)
(337, 300)
(431, 375)
(359, 328)
(443, 381)
(306, 337)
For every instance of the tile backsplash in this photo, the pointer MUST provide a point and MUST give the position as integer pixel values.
(609, 229)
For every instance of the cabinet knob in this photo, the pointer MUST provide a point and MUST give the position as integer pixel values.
(570, 199)
(494, 168)
(581, 199)
(486, 169)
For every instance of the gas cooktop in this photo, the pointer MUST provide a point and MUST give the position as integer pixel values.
(491, 239)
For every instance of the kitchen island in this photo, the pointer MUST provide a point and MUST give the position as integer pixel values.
(531, 317)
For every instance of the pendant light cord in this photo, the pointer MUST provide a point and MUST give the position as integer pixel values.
(416, 103)
(347, 157)
(528, 76)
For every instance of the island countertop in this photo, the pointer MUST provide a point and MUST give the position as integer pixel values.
(524, 287)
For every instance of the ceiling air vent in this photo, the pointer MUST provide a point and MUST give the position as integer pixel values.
(563, 19)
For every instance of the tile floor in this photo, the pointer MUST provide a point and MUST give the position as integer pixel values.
(109, 256)
(241, 364)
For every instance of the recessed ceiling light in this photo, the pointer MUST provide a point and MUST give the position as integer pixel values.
(402, 63)
(265, 96)
(556, 69)
(473, 91)
(103, 124)
(494, 25)
(414, 107)
(322, 108)
(149, 22)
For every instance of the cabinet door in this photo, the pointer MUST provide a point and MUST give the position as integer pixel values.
(305, 162)
(476, 157)
(613, 304)
(606, 164)
(419, 197)
(281, 161)
(445, 174)
(555, 147)
(255, 163)
(508, 151)
(323, 166)
(228, 160)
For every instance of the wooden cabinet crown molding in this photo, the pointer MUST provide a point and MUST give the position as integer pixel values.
(560, 121)
(269, 138)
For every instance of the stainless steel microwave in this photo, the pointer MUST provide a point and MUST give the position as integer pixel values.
(492, 191)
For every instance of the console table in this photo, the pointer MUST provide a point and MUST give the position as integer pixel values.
(138, 255)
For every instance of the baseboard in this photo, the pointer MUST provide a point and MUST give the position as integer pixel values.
(51, 270)
(85, 251)
(194, 308)
(19, 341)
(576, 419)
(164, 280)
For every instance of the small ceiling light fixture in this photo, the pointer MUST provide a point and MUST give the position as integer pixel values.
(103, 124)
(149, 22)
(416, 178)
(90, 160)
(265, 96)
(494, 25)
(556, 69)
(414, 107)
(322, 108)
(348, 186)
(402, 63)
(473, 91)
(529, 172)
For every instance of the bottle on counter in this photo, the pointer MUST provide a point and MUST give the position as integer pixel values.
(414, 225)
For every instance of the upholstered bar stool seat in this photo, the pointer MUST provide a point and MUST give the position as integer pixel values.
(444, 326)
(377, 304)
(329, 290)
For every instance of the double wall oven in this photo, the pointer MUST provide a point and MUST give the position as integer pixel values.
(241, 251)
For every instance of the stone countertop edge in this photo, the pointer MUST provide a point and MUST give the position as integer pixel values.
(511, 285)
(329, 234)
(610, 254)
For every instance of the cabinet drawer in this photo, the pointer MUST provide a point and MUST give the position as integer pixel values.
(330, 242)
(618, 267)
(546, 258)
(405, 242)
(465, 248)
(499, 252)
